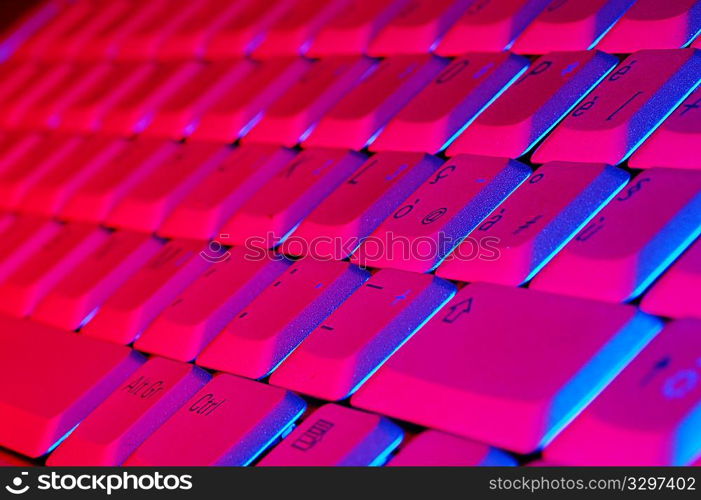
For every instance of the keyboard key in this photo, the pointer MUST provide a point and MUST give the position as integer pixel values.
(449, 103)
(441, 212)
(15, 77)
(336, 436)
(522, 234)
(8, 459)
(128, 311)
(23, 236)
(347, 216)
(631, 241)
(572, 25)
(341, 353)
(131, 414)
(476, 369)
(529, 108)
(230, 421)
(204, 308)
(256, 341)
(59, 379)
(357, 117)
(625, 108)
(646, 415)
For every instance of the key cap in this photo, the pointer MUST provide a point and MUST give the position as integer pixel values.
(129, 310)
(357, 117)
(336, 436)
(624, 109)
(16, 75)
(8, 459)
(436, 449)
(489, 26)
(238, 176)
(650, 24)
(476, 368)
(631, 241)
(285, 199)
(522, 234)
(230, 421)
(449, 103)
(347, 216)
(430, 222)
(93, 280)
(203, 309)
(150, 201)
(24, 235)
(644, 417)
(15, 145)
(59, 379)
(532, 106)
(130, 414)
(256, 341)
(288, 120)
(571, 25)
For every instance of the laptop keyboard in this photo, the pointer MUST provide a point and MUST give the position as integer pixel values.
(350, 232)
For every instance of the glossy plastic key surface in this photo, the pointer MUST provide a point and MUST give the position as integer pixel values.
(22, 236)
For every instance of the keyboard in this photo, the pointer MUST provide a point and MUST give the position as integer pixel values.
(350, 232)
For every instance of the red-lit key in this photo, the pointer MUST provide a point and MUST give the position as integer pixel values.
(451, 101)
(507, 366)
(621, 112)
(533, 104)
(355, 119)
(336, 436)
(230, 421)
(130, 414)
(348, 215)
(651, 24)
(93, 280)
(58, 379)
(210, 302)
(646, 415)
(294, 191)
(675, 142)
(8, 459)
(631, 241)
(280, 317)
(145, 206)
(17, 144)
(21, 238)
(571, 25)
(431, 221)
(16, 75)
(137, 302)
(489, 25)
(237, 177)
(522, 234)
(288, 120)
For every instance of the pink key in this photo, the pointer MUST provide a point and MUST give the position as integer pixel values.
(357, 117)
(21, 238)
(507, 366)
(235, 180)
(145, 206)
(230, 421)
(533, 104)
(624, 109)
(346, 217)
(436, 449)
(294, 191)
(59, 379)
(130, 414)
(93, 280)
(432, 220)
(336, 436)
(571, 25)
(643, 417)
(202, 311)
(243, 106)
(128, 311)
(489, 26)
(631, 241)
(522, 234)
(452, 100)
(288, 120)
(256, 341)
(675, 143)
